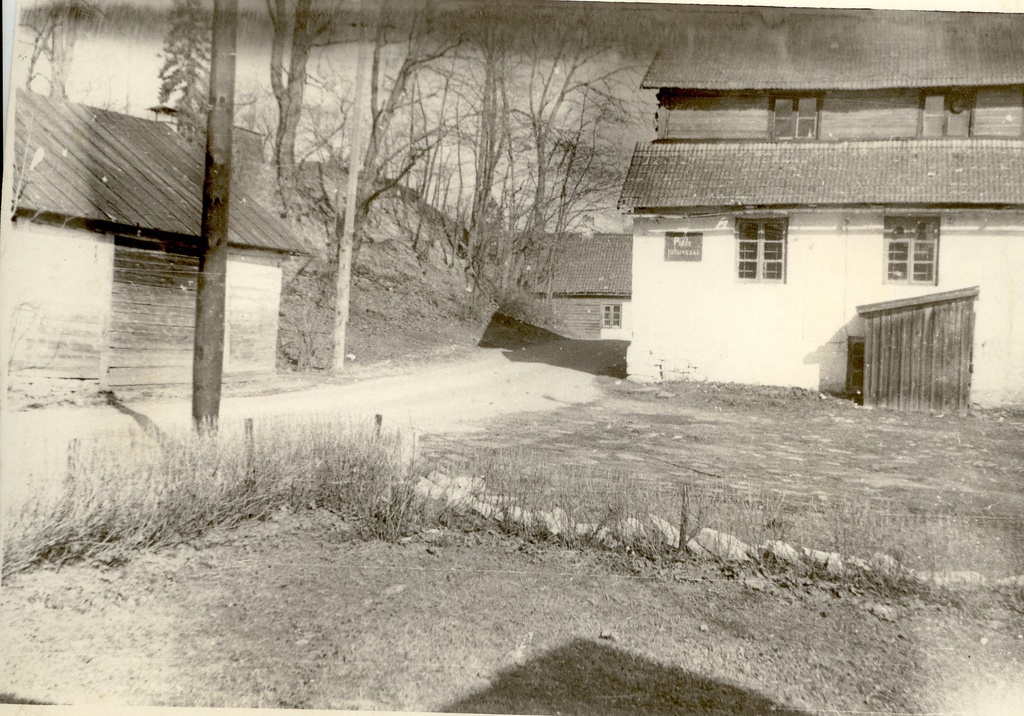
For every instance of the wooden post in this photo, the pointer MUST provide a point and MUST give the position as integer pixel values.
(684, 518)
(378, 419)
(344, 279)
(72, 459)
(250, 449)
(208, 356)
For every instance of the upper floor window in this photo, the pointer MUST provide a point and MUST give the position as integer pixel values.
(946, 114)
(795, 118)
(762, 250)
(912, 249)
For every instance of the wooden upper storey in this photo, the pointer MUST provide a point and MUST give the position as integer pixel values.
(841, 115)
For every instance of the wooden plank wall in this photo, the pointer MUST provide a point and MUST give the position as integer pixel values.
(875, 115)
(153, 317)
(580, 317)
(714, 118)
(918, 359)
(881, 114)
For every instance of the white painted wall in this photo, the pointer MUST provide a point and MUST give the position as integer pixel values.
(253, 303)
(55, 288)
(697, 320)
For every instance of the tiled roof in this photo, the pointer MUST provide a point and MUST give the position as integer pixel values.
(78, 162)
(779, 49)
(918, 172)
(598, 265)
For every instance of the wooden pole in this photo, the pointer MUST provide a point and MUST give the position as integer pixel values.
(208, 357)
(348, 227)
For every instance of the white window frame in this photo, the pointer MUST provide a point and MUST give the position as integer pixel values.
(762, 261)
(611, 315)
(798, 115)
(915, 232)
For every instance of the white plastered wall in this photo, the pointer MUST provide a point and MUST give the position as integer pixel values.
(55, 285)
(697, 320)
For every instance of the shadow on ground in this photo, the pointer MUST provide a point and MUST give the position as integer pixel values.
(587, 677)
(9, 698)
(525, 343)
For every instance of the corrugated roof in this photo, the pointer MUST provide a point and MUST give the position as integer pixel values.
(925, 172)
(99, 165)
(598, 265)
(780, 49)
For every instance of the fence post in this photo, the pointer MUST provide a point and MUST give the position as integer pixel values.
(250, 447)
(377, 420)
(684, 517)
(72, 458)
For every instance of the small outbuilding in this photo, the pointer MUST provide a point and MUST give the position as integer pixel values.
(589, 285)
(100, 260)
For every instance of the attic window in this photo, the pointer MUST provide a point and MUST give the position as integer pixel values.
(946, 114)
(796, 118)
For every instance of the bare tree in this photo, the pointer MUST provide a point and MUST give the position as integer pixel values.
(55, 29)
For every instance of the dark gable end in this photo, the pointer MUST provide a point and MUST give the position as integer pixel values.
(776, 49)
(126, 174)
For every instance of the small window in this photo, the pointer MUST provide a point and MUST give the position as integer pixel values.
(761, 250)
(611, 315)
(796, 118)
(947, 114)
(912, 250)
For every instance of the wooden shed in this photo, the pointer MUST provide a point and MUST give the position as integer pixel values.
(918, 352)
(588, 286)
(101, 260)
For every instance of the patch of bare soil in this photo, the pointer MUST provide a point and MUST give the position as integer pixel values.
(793, 440)
(293, 613)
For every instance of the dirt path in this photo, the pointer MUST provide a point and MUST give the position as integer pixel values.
(452, 396)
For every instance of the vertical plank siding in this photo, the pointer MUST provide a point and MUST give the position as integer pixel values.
(918, 353)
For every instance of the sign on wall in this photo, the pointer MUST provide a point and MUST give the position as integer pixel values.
(683, 245)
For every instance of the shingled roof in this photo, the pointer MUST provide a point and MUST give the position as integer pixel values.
(74, 162)
(987, 172)
(787, 49)
(597, 265)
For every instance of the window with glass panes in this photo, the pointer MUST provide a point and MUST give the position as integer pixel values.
(796, 118)
(912, 249)
(761, 250)
(612, 315)
(946, 115)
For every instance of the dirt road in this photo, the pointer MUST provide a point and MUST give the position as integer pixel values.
(455, 395)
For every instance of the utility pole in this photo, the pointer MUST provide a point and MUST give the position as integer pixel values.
(342, 294)
(208, 356)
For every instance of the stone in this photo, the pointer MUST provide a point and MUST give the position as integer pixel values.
(555, 521)
(668, 531)
(704, 628)
(782, 551)
(831, 561)
(428, 489)
(885, 564)
(694, 548)
(958, 579)
(664, 394)
(1017, 581)
(723, 546)
(629, 529)
(609, 635)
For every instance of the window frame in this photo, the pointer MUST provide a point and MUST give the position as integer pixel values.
(950, 98)
(615, 311)
(759, 260)
(796, 118)
(896, 222)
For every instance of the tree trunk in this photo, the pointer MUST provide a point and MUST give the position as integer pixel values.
(289, 88)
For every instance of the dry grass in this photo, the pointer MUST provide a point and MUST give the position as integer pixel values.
(116, 499)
